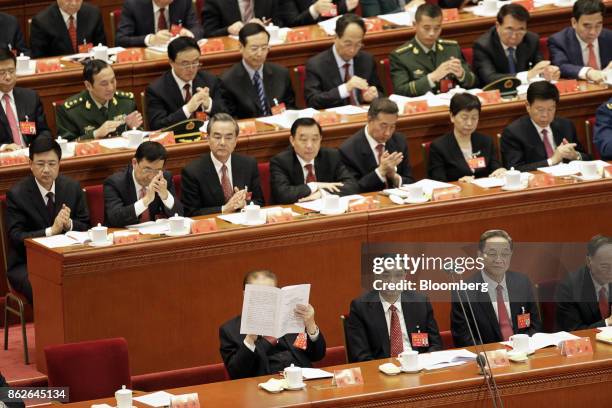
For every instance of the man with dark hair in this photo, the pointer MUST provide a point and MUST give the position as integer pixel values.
(583, 297)
(507, 307)
(540, 139)
(149, 22)
(222, 181)
(63, 26)
(602, 136)
(376, 156)
(227, 17)
(100, 110)
(141, 192)
(19, 106)
(43, 204)
(428, 63)
(584, 50)
(185, 91)
(11, 36)
(250, 355)
(508, 49)
(343, 74)
(306, 171)
(253, 86)
(305, 12)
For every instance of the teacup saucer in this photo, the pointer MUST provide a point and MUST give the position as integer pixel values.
(420, 200)
(106, 243)
(517, 356)
(332, 212)
(389, 369)
(411, 370)
(514, 188)
(251, 223)
(589, 178)
(177, 233)
(296, 388)
(396, 199)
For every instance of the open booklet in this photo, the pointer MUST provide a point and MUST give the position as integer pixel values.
(270, 311)
(542, 340)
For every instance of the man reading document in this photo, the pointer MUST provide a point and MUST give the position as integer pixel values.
(250, 355)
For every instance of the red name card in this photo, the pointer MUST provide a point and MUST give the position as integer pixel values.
(185, 401)
(212, 45)
(281, 215)
(132, 55)
(373, 24)
(332, 12)
(299, 34)
(85, 48)
(528, 4)
(327, 118)
(247, 127)
(567, 85)
(576, 347)
(348, 377)
(48, 65)
(542, 180)
(87, 149)
(125, 237)
(363, 204)
(490, 97)
(445, 193)
(415, 107)
(164, 138)
(497, 358)
(12, 160)
(451, 14)
(607, 171)
(205, 225)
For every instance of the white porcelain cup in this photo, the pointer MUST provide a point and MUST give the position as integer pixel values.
(100, 52)
(513, 178)
(409, 359)
(488, 5)
(589, 169)
(414, 192)
(98, 234)
(293, 375)
(63, 144)
(124, 398)
(252, 213)
(331, 202)
(134, 137)
(520, 342)
(177, 223)
(274, 32)
(23, 63)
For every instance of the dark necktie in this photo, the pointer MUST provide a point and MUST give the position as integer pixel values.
(547, 145)
(73, 33)
(505, 326)
(145, 215)
(261, 94)
(187, 89)
(395, 334)
(225, 184)
(347, 77)
(604, 305)
(161, 20)
(511, 63)
(310, 176)
(104, 111)
(51, 206)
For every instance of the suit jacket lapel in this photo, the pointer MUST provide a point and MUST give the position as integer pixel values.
(574, 46)
(588, 292)
(297, 173)
(498, 48)
(245, 83)
(268, 83)
(379, 321)
(38, 201)
(367, 156)
(486, 306)
(558, 135)
(238, 176)
(534, 137)
(516, 307)
(335, 76)
(175, 93)
(457, 154)
(214, 184)
(81, 29)
(131, 195)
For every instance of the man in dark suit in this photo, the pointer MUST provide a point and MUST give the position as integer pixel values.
(302, 172)
(382, 322)
(252, 87)
(227, 17)
(507, 307)
(250, 355)
(305, 12)
(19, 106)
(376, 156)
(63, 26)
(584, 50)
(539, 139)
(508, 49)
(143, 191)
(11, 36)
(602, 136)
(43, 204)
(148, 22)
(342, 75)
(373, 8)
(222, 181)
(185, 91)
(583, 297)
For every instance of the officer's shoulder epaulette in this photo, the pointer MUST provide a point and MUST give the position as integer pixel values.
(124, 95)
(609, 106)
(403, 48)
(448, 41)
(74, 101)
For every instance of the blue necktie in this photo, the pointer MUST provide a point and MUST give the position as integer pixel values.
(511, 64)
(261, 94)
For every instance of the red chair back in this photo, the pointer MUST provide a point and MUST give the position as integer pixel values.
(176, 180)
(544, 48)
(183, 377)
(115, 16)
(548, 308)
(425, 151)
(333, 356)
(95, 203)
(299, 77)
(384, 72)
(264, 179)
(468, 54)
(447, 339)
(92, 369)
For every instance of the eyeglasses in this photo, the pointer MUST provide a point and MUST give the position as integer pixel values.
(494, 254)
(512, 31)
(187, 65)
(42, 164)
(541, 111)
(255, 48)
(150, 170)
(349, 44)
(10, 72)
(227, 138)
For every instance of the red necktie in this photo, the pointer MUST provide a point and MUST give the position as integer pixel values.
(10, 115)
(73, 33)
(310, 176)
(502, 315)
(187, 89)
(225, 184)
(547, 146)
(347, 77)
(604, 305)
(380, 148)
(592, 58)
(272, 340)
(161, 20)
(144, 216)
(395, 335)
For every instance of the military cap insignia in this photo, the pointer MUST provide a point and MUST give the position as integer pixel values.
(508, 84)
(418, 72)
(190, 126)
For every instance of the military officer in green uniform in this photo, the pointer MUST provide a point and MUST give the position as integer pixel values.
(100, 110)
(428, 63)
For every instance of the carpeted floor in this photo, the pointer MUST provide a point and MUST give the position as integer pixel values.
(12, 363)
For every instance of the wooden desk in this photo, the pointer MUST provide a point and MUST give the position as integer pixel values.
(168, 296)
(547, 379)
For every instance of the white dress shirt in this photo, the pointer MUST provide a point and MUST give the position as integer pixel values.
(584, 47)
(66, 18)
(398, 304)
(251, 73)
(551, 139)
(181, 84)
(139, 206)
(43, 193)
(521, 76)
(312, 185)
(493, 293)
(156, 12)
(13, 107)
(344, 93)
(218, 165)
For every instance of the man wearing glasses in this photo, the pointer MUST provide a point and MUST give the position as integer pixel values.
(22, 117)
(185, 91)
(254, 87)
(220, 181)
(41, 205)
(141, 192)
(508, 49)
(343, 75)
(539, 139)
(508, 306)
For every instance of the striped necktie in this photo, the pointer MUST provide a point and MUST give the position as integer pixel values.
(261, 94)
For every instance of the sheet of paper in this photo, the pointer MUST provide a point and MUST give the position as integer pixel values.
(329, 26)
(429, 185)
(542, 340)
(568, 169)
(115, 50)
(152, 227)
(405, 18)
(348, 110)
(286, 119)
(314, 373)
(239, 217)
(317, 205)
(56, 241)
(79, 236)
(156, 399)
(291, 296)
(488, 182)
(114, 143)
(259, 310)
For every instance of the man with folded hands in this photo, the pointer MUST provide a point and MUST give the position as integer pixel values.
(141, 192)
(306, 170)
(250, 355)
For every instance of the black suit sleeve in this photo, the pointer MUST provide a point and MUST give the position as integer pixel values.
(17, 221)
(283, 191)
(484, 66)
(316, 96)
(177, 208)
(315, 350)
(436, 164)
(343, 175)
(117, 214)
(239, 360)
(459, 325)
(190, 196)
(404, 169)
(18, 42)
(568, 314)
(491, 157)
(98, 37)
(126, 30)
(368, 182)
(159, 117)
(38, 39)
(212, 20)
(192, 23)
(359, 348)
(435, 340)
(80, 214)
(289, 96)
(291, 15)
(513, 154)
(255, 185)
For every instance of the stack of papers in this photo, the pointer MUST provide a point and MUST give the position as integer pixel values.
(314, 373)
(568, 169)
(240, 217)
(329, 26)
(156, 399)
(285, 120)
(57, 241)
(158, 226)
(446, 358)
(114, 143)
(542, 340)
(490, 182)
(405, 18)
(317, 205)
(348, 110)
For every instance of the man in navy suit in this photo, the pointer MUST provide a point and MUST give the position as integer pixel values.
(11, 35)
(222, 181)
(148, 22)
(584, 50)
(41, 205)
